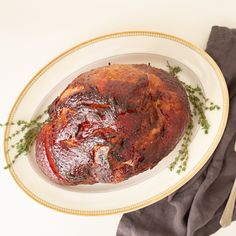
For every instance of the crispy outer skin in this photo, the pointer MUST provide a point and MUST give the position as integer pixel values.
(112, 123)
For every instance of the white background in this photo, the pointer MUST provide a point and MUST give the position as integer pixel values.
(34, 32)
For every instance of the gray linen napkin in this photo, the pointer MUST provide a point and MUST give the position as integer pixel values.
(196, 208)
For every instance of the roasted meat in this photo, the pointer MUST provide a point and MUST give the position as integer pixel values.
(112, 123)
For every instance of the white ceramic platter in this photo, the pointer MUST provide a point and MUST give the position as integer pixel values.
(152, 185)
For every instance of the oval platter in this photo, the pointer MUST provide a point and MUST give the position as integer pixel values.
(133, 47)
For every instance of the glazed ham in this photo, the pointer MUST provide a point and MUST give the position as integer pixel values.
(112, 123)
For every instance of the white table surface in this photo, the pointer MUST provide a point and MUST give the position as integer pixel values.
(34, 32)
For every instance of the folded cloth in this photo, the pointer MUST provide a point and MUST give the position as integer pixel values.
(196, 208)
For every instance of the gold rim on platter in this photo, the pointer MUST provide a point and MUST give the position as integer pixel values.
(167, 191)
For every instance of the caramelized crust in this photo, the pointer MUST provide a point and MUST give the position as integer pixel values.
(112, 123)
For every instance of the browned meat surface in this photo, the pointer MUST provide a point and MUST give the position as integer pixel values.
(112, 123)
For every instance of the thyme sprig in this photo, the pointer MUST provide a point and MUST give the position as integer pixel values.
(173, 70)
(199, 105)
(30, 131)
(183, 154)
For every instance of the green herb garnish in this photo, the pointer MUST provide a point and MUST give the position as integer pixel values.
(183, 155)
(173, 70)
(30, 131)
(199, 105)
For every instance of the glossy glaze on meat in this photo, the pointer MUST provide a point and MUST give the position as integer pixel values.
(112, 123)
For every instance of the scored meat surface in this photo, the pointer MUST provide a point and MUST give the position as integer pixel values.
(112, 123)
